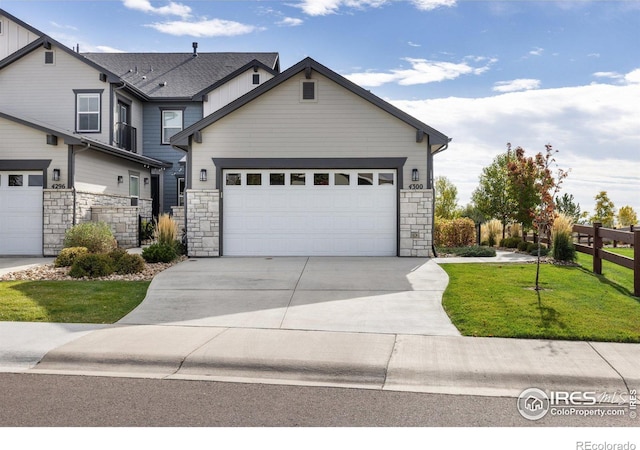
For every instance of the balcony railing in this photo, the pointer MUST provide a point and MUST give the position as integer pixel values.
(126, 137)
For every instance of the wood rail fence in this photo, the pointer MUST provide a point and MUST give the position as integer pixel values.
(596, 235)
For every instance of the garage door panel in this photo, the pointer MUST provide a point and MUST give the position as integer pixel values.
(307, 220)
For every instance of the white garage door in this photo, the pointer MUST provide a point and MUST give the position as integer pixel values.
(20, 213)
(309, 212)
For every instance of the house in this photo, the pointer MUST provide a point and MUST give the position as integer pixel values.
(253, 161)
(309, 163)
(124, 105)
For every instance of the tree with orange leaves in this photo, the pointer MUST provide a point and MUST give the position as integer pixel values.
(536, 188)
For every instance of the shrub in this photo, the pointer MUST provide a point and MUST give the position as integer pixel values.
(116, 254)
(166, 231)
(68, 255)
(454, 232)
(95, 236)
(532, 249)
(563, 248)
(523, 246)
(469, 251)
(128, 264)
(147, 230)
(562, 224)
(92, 265)
(491, 230)
(158, 252)
(510, 242)
(515, 230)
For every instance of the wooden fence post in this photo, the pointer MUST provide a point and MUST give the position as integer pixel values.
(636, 263)
(597, 245)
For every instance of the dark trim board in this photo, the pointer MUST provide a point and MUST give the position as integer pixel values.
(24, 164)
(222, 164)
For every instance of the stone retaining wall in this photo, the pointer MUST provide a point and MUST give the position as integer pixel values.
(58, 216)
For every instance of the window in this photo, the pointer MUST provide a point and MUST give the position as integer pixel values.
(365, 179)
(385, 178)
(321, 179)
(297, 179)
(88, 112)
(1, 27)
(254, 179)
(49, 57)
(342, 179)
(181, 191)
(308, 91)
(134, 189)
(15, 180)
(35, 180)
(171, 124)
(234, 179)
(276, 179)
(256, 78)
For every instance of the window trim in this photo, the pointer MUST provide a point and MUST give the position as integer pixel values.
(85, 92)
(53, 58)
(164, 141)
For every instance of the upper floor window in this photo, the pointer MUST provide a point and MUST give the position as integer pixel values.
(308, 91)
(88, 112)
(256, 78)
(49, 57)
(171, 124)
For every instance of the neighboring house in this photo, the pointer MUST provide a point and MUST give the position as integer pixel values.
(309, 163)
(126, 104)
(51, 179)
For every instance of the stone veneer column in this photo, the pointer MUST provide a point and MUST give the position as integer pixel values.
(57, 218)
(123, 221)
(416, 224)
(203, 222)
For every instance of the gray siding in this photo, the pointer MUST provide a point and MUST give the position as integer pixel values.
(153, 148)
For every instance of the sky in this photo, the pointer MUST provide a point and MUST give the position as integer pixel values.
(485, 73)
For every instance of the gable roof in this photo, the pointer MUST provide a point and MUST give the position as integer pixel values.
(78, 139)
(437, 140)
(179, 75)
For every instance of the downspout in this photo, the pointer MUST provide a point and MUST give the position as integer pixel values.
(72, 177)
(430, 182)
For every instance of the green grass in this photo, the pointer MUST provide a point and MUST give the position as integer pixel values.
(69, 301)
(498, 300)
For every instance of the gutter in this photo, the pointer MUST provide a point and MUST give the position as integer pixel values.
(433, 209)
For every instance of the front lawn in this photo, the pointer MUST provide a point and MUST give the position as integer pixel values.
(69, 301)
(498, 300)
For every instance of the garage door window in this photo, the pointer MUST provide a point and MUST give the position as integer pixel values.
(35, 180)
(342, 179)
(298, 179)
(254, 179)
(233, 179)
(276, 179)
(385, 178)
(365, 179)
(15, 180)
(321, 179)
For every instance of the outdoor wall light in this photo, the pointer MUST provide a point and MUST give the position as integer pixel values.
(56, 174)
(415, 175)
(146, 181)
(203, 174)
(120, 179)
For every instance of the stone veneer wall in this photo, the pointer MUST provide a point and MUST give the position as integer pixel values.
(203, 222)
(177, 212)
(416, 223)
(114, 210)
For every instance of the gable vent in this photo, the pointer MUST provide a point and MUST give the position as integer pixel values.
(308, 90)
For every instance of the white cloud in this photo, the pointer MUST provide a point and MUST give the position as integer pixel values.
(290, 22)
(428, 5)
(521, 84)
(107, 49)
(172, 9)
(203, 28)
(326, 7)
(422, 71)
(536, 51)
(65, 27)
(594, 127)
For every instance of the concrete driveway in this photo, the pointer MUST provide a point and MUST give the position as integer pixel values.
(362, 295)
